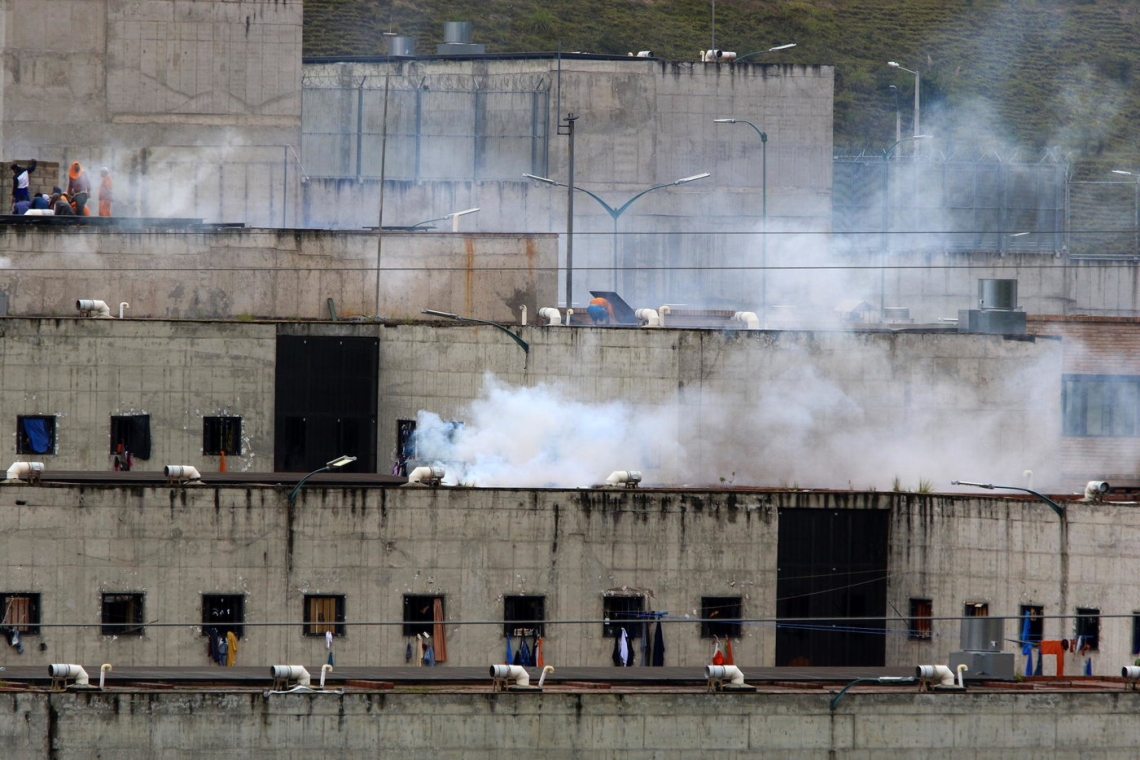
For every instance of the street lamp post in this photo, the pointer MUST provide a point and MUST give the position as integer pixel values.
(764, 212)
(615, 213)
(917, 100)
(337, 463)
(769, 50)
(454, 217)
(898, 115)
(1062, 521)
(886, 243)
(448, 315)
(1136, 218)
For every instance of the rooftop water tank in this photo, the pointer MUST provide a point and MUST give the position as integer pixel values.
(401, 45)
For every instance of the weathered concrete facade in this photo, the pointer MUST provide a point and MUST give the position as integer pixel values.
(193, 106)
(1023, 726)
(474, 547)
(838, 409)
(276, 274)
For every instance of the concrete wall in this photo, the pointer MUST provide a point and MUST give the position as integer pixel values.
(277, 274)
(193, 106)
(142, 724)
(826, 409)
(642, 123)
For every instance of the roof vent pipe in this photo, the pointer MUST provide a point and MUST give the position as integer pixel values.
(181, 473)
(92, 308)
(628, 478)
(648, 317)
(284, 673)
(729, 673)
(103, 674)
(62, 672)
(457, 32)
(928, 674)
(429, 476)
(25, 471)
(551, 315)
(748, 319)
(517, 673)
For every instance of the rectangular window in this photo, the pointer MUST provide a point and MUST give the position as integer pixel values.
(405, 446)
(22, 612)
(921, 610)
(421, 613)
(122, 615)
(324, 613)
(1088, 629)
(720, 616)
(523, 613)
(1135, 633)
(616, 610)
(1101, 405)
(976, 609)
(35, 434)
(221, 435)
(1036, 624)
(131, 434)
(223, 612)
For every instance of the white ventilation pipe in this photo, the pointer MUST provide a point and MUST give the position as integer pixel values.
(648, 317)
(326, 668)
(962, 668)
(183, 472)
(748, 318)
(291, 673)
(1094, 489)
(517, 672)
(25, 470)
(542, 678)
(523, 310)
(626, 477)
(123, 305)
(432, 475)
(729, 673)
(70, 671)
(551, 315)
(103, 674)
(662, 311)
(1130, 673)
(93, 308)
(940, 673)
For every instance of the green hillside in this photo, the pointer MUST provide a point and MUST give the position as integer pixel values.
(1024, 75)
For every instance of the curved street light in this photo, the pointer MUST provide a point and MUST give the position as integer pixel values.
(616, 212)
(337, 463)
(764, 212)
(769, 50)
(454, 217)
(917, 101)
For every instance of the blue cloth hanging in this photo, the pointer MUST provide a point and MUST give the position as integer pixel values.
(510, 657)
(658, 646)
(39, 439)
(429, 656)
(1026, 644)
(524, 654)
(1088, 666)
(1029, 663)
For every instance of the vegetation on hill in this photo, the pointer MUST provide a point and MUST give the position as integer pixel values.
(1015, 76)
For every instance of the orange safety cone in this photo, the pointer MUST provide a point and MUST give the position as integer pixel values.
(223, 468)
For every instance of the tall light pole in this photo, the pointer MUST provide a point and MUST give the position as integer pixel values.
(1136, 219)
(454, 217)
(337, 463)
(769, 50)
(917, 99)
(764, 213)
(886, 243)
(898, 115)
(618, 211)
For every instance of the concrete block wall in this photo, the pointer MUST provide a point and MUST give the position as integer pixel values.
(277, 274)
(1021, 726)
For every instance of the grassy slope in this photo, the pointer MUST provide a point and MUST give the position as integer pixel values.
(1031, 74)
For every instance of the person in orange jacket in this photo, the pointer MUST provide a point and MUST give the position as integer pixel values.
(78, 189)
(601, 311)
(105, 196)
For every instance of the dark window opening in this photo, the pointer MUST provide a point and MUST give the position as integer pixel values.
(405, 446)
(221, 435)
(720, 616)
(1135, 633)
(617, 610)
(1100, 405)
(976, 609)
(21, 612)
(421, 613)
(130, 434)
(224, 613)
(1088, 629)
(1032, 631)
(35, 434)
(921, 610)
(324, 613)
(122, 615)
(522, 614)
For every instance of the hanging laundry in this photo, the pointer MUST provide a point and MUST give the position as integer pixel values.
(231, 648)
(510, 658)
(728, 658)
(1026, 644)
(1057, 648)
(1029, 663)
(717, 657)
(658, 646)
(223, 651)
(617, 656)
(523, 654)
(533, 651)
(429, 652)
(418, 655)
(538, 660)
(331, 660)
(408, 652)
(644, 644)
(212, 645)
(623, 648)
(438, 631)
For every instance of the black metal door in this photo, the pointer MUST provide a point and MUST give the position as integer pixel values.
(833, 570)
(326, 402)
